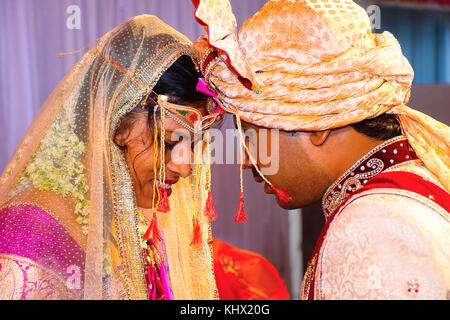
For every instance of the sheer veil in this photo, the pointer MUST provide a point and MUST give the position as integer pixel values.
(68, 165)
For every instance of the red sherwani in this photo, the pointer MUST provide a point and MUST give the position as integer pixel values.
(387, 231)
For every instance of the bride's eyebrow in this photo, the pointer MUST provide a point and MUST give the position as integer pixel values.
(176, 135)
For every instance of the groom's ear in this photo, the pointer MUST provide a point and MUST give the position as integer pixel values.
(318, 138)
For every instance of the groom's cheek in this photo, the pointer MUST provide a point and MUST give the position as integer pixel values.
(269, 151)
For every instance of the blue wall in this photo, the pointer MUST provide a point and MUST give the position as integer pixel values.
(425, 39)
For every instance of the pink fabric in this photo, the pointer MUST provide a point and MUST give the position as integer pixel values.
(201, 87)
(30, 232)
(158, 284)
(157, 278)
(165, 283)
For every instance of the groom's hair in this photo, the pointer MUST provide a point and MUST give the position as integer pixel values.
(383, 127)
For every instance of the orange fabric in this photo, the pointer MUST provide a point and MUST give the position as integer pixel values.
(315, 65)
(244, 275)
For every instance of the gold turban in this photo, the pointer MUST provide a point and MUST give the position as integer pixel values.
(311, 65)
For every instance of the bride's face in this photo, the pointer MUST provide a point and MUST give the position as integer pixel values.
(141, 159)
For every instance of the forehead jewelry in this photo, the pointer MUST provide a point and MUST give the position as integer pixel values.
(162, 99)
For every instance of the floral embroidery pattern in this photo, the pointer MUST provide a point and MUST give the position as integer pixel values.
(57, 165)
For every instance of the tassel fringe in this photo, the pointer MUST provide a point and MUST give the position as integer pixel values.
(152, 233)
(196, 233)
(240, 215)
(163, 205)
(283, 195)
(210, 212)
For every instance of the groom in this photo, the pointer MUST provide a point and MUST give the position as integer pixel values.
(337, 92)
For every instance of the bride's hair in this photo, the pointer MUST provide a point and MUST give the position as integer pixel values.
(178, 82)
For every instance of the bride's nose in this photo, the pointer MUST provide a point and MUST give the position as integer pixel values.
(180, 169)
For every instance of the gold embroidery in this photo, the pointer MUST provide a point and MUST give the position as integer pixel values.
(309, 278)
(351, 181)
(22, 278)
(230, 266)
(351, 184)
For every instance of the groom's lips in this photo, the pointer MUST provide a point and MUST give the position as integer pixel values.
(256, 175)
(267, 188)
(259, 179)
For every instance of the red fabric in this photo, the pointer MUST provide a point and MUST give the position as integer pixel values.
(410, 182)
(244, 275)
(386, 180)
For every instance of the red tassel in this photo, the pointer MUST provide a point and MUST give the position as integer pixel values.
(163, 205)
(152, 233)
(197, 233)
(240, 215)
(283, 195)
(210, 212)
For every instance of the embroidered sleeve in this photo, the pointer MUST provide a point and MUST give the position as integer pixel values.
(39, 259)
(385, 247)
(23, 279)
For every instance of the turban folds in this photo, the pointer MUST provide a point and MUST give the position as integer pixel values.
(311, 65)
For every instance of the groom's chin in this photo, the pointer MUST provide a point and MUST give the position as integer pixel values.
(286, 206)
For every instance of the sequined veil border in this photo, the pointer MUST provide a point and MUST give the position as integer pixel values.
(125, 209)
(125, 220)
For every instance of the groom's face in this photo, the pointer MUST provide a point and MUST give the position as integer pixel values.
(298, 172)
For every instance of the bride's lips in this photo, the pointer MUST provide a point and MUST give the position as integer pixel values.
(169, 190)
(167, 185)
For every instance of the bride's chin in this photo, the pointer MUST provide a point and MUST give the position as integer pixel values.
(166, 187)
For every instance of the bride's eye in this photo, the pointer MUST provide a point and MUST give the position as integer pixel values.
(168, 145)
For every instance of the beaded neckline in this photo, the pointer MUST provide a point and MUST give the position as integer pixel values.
(391, 153)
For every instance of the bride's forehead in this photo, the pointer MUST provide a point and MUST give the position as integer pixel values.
(173, 127)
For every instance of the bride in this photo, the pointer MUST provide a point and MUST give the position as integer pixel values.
(98, 200)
